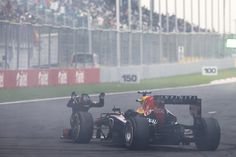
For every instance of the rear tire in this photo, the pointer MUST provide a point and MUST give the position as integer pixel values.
(82, 127)
(136, 133)
(207, 134)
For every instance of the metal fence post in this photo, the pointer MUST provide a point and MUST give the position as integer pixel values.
(141, 47)
(89, 36)
(39, 48)
(28, 45)
(130, 32)
(74, 45)
(49, 46)
(59, 47)
(6, 46)
(18, 47)
(118, 32)
(160, 46)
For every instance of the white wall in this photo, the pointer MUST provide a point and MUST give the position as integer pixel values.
(112, 74)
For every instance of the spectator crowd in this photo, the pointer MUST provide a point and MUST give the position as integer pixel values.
(97, 13)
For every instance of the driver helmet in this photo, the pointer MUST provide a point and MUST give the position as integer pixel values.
(149, 102)
(143, 99)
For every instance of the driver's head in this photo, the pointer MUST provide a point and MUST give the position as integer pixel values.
(85, 99)
(149, 102)
(143, 99)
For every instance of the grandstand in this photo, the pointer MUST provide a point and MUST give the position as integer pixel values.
(76, 13)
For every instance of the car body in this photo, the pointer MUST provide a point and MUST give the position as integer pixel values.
(137, 130)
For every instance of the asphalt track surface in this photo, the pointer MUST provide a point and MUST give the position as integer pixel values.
(33, 129)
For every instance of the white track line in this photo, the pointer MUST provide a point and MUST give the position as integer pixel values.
(114, 93)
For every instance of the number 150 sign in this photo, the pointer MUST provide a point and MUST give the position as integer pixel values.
(129, 78)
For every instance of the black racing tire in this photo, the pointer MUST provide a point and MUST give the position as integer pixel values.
(82, 127)
(207, 134)
(136, 133)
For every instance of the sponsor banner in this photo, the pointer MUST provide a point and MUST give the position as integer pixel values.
(1, 79)
(12, 80)
(43, 78)
(210, 70)
(32, 78)
(62, 77)
(36, 78)
(79, 76)
(131, 77)
(92, 75)
(53, 77)
(22, 79)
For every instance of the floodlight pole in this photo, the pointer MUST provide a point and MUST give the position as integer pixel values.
(199, 15)
(118, 32)
(176, 21)
(235, 27)
(141, 31)
(229, 16)
(212, 15)
(130, 32)
(160, 32)
(184, 16)
(205, 15)
(223, 28)
(151, 15)
(89, 34)
(167, 17)
(223, 16)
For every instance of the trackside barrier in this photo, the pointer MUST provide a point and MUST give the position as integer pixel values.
(112, 74)
(48, 77)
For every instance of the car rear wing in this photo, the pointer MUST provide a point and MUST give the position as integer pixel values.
(194, 102)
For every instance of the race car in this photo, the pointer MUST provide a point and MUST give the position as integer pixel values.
(150, 124)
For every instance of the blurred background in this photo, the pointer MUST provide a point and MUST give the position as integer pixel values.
(114, 33)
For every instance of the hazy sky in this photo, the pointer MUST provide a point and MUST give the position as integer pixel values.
(171, 10)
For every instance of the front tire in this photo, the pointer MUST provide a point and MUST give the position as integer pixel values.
(207, 134)
(82, 127)
(136, 133)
